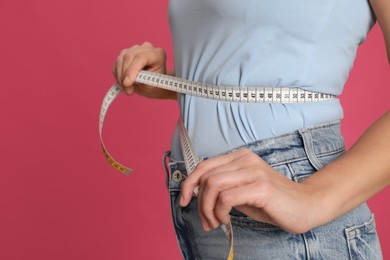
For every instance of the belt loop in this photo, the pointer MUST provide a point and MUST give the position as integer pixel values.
(165, 164)
(309, 148)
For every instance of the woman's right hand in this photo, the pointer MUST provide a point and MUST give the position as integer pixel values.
(141, 57)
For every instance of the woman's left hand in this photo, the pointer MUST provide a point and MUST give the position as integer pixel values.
(244, 181)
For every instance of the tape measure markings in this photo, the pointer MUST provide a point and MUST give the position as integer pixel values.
(228, 93)
(108, 99)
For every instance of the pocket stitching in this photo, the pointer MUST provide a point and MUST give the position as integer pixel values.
(247, 222)
(366, 226)
(332, 152)
(352, 234)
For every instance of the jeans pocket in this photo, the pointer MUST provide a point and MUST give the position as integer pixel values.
(321, 148)
(243, 221)
(363, 242)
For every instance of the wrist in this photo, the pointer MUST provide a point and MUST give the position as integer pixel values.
(326, 203)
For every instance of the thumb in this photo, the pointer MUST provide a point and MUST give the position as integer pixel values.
(129, 90)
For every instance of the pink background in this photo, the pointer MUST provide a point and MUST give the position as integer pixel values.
(59, 198)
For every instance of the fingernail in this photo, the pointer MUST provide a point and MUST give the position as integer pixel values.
(129, 90)
(126, 81)
(181, 200)
(206, 227)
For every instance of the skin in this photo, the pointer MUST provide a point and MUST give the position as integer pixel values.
(382, 12)
(244, 181)
(141, 57)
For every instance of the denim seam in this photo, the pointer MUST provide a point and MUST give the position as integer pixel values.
(348, 244)
(302, 158)
(294, 177)
(331, 152)
(253, 145)
(174, 222)
(363, 228)
(297, 159)
(306, 246)
(247, 222)
(289, 161)
(192, 240)
(308, 146)
(306, 157)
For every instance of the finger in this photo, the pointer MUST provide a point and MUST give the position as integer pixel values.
(208, 194)
(193, 180)
(127, 61)
(257, 214)
(129, 90)
(136, 52)
(206, 225)
(243, 195)
(118, 70)
(139, 61)
(119, 63)
(217, 183)
(150, 59)
(147, 44)
(126, 83)
(118, 66)
(217, 161)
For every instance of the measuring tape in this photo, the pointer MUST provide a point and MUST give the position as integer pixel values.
(222, 93)
(191, 160)
(233, 94)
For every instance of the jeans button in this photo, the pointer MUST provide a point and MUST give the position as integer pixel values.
(177, 176)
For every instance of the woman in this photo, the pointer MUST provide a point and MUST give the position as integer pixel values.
(278, 207)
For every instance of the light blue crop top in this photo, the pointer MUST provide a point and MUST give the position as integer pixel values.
(309, 44)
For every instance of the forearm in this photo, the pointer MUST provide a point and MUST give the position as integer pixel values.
(356, 176)
(382, 12)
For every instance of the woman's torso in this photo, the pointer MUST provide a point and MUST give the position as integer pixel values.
(309, 44)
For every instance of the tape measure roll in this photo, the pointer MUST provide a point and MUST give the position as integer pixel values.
(222, 93)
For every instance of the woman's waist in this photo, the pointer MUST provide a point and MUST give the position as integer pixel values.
(311, 142)
(218, 128)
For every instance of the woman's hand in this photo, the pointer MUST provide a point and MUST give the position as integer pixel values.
(244, 181)
(130, 61)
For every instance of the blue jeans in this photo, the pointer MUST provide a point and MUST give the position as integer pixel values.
(296, 155)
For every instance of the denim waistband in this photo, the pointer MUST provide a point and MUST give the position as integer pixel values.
(310, 142)
(318, 140)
